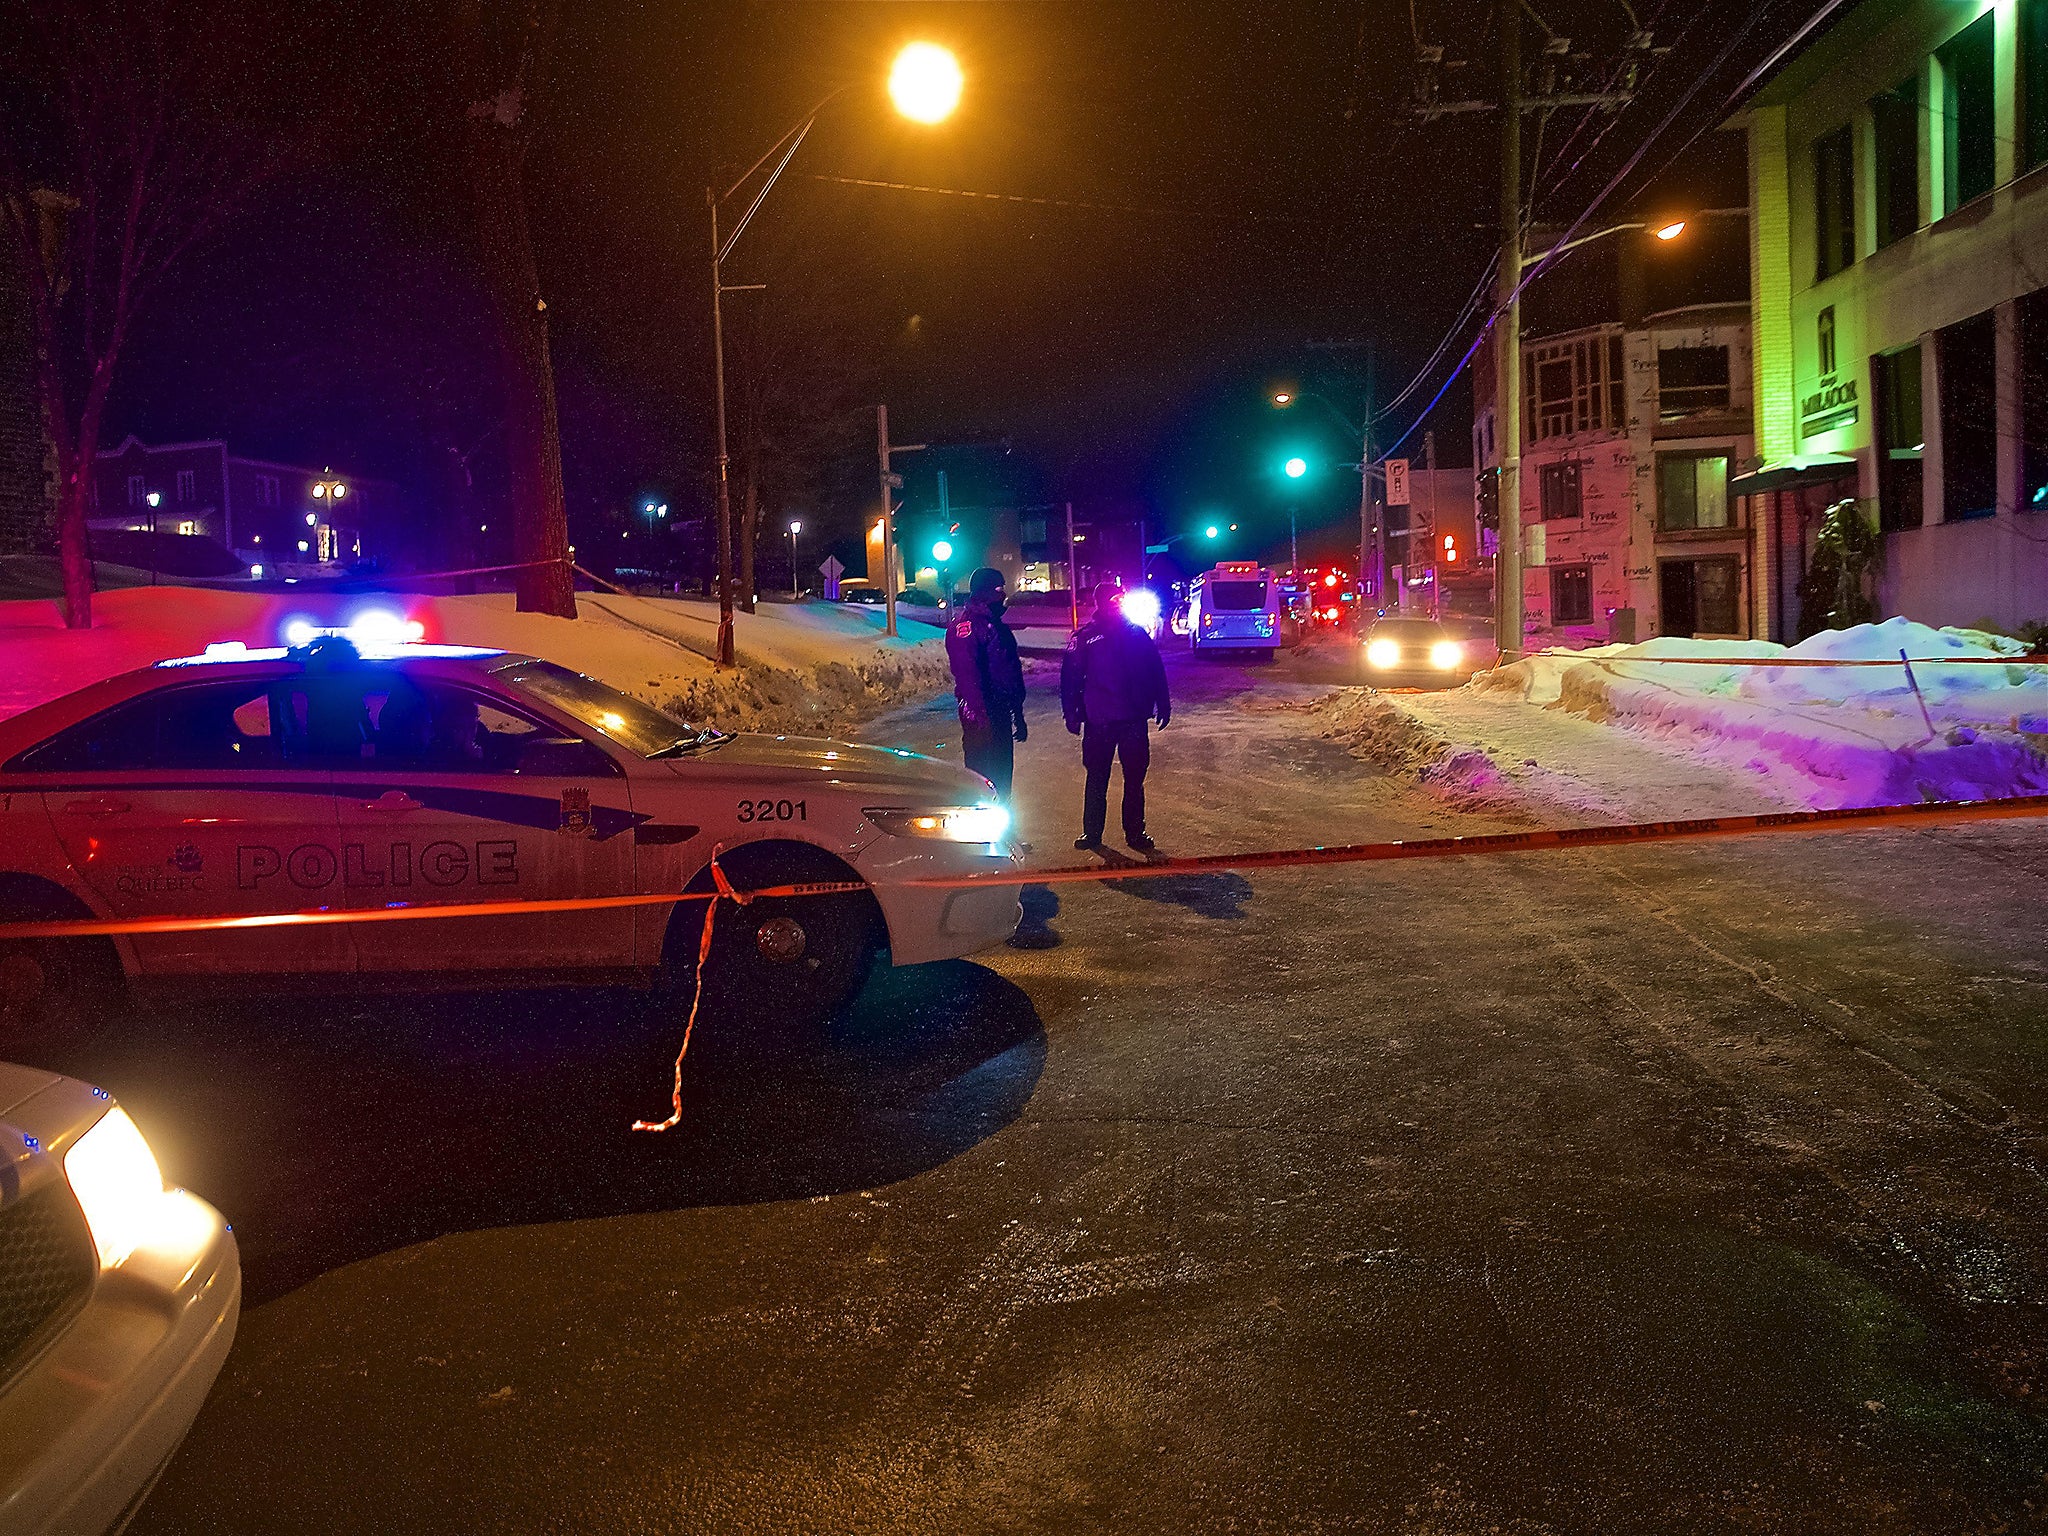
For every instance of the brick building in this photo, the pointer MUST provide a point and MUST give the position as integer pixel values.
(28, 489)
(288, 518)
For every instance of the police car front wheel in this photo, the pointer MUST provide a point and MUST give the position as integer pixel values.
(788, 961)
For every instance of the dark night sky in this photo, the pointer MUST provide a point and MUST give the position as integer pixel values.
(1271, 193)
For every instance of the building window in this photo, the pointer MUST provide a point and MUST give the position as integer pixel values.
(188, 528)
(2033, 345)
(1571, 594)
(1895, 380)
(1966, 365)
(135, 491)
(187, 488)
(1700, 597)
(1559, 491)
(1895, 138)
(1834, 202)
(1968, 114)
(1691, 379)
(1692, 491)
(1573, 386)
(2033, 118)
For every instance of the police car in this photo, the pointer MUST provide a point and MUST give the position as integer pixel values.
(336, 775)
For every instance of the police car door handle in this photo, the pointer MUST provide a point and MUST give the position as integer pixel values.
(393, 800)
(98, 805)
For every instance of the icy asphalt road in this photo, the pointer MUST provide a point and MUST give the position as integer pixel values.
(1659, 1190)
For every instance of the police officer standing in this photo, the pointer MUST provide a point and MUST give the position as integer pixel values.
(1112, 685)
(988, 680)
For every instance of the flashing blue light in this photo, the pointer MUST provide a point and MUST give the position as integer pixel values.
(371, 650)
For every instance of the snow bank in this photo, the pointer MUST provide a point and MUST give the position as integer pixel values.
(1825, 736)
(811, 668)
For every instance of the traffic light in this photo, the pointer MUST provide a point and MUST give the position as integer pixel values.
(1450, 549)
(1296, 468)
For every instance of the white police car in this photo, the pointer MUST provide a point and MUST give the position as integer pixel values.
(118, 1301)
(338, 776)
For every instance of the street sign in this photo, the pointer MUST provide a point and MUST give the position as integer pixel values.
(831, 570)
(1397, 482)
(1155, 549)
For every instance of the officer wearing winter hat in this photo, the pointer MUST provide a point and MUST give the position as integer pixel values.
(1112, 687)
(988, 680)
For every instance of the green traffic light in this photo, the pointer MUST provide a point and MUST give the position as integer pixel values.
(942, 551)
(1296, 468)
(1210, 532)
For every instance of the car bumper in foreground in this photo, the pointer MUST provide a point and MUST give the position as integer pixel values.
(934, 922)
(86, 1429)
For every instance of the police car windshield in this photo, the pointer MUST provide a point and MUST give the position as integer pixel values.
(633, 725)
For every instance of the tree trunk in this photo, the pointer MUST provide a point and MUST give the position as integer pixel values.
(496, 131)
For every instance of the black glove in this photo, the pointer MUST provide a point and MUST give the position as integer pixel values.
(1164, 716)
(1073, 726)
(1023, 730)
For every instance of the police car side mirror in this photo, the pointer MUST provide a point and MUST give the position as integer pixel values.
(563, 757)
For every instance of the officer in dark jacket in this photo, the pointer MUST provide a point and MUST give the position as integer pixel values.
(1112, 685)
(988, 680)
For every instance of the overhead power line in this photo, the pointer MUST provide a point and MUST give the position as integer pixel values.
(1230, 216)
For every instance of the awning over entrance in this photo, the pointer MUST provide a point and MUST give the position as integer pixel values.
(1790, 474)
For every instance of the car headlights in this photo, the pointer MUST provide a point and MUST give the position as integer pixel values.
(118, 1185)
(1382, 654)
(1445, 655)
(949, 823)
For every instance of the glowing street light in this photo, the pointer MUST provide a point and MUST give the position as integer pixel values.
(1672, 230)
(1212, 531)
(925, 83)
(1283, 398)
(1296, 468)
(795, 527)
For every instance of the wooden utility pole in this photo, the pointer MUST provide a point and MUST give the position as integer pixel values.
(1507, 383)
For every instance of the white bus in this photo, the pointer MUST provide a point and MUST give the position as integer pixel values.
(1235, 607)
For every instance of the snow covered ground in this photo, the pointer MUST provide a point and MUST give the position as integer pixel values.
(813, 668)
(1803, 735)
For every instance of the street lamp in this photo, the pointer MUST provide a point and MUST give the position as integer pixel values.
(1371, 549)
(925, 85)
(795, 528)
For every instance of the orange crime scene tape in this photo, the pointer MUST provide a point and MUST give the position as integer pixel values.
(1626, 834)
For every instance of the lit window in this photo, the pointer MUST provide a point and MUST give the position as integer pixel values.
(1692, 491)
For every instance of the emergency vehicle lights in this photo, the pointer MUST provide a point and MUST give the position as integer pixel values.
(1330, 580)
(118, 1184)
(371, 627)
(950, 823)
(1141, 606)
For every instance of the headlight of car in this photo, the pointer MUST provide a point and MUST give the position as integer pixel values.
(948, 823)
(1446, 654)
(118, 1184)
(1382, 653)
